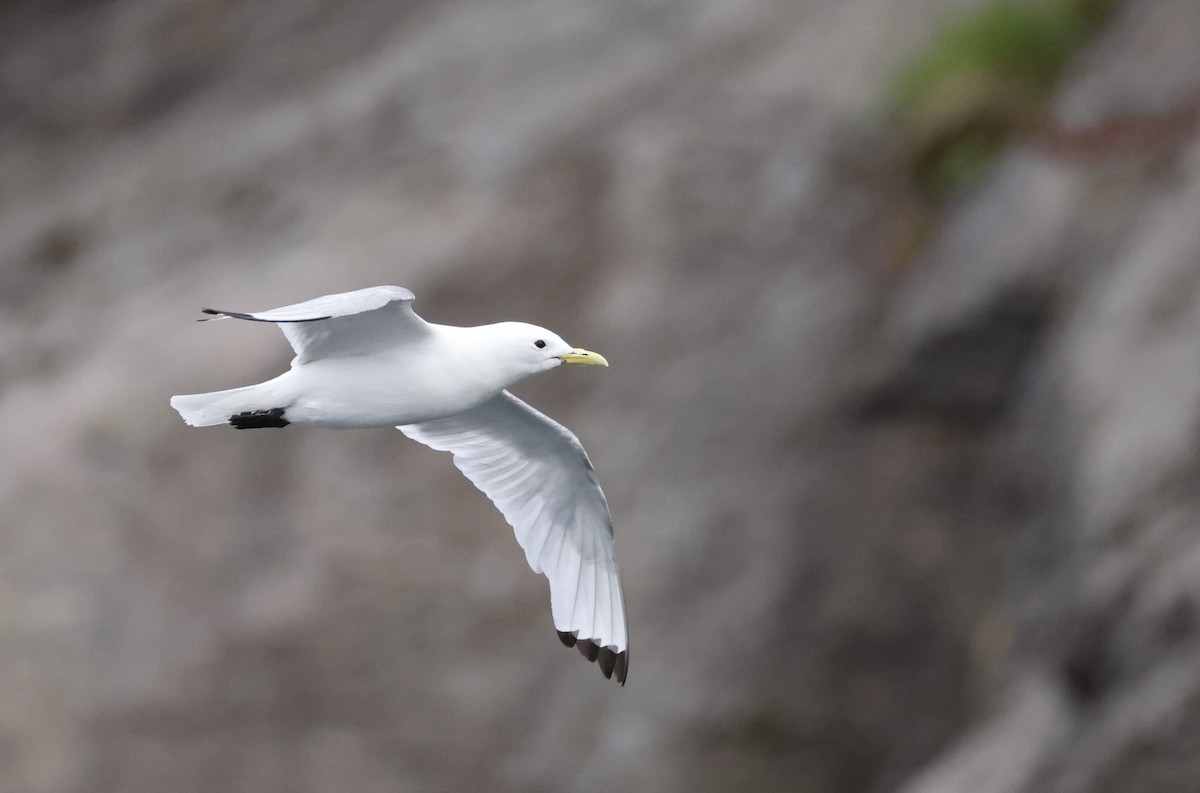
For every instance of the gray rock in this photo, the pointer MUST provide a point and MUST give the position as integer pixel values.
(926, 530)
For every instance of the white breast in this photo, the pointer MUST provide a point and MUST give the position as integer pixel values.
(441, 376)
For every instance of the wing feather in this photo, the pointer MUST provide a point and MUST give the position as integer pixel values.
(538, 476)
(349, 323)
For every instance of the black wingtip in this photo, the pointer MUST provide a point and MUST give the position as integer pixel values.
(588, 649)
(258, 419)
(243, 315)
(609, 660)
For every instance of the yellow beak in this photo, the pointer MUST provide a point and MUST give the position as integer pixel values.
(583, 356)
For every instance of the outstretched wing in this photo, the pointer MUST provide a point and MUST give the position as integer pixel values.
(350, 323)
(534, 470)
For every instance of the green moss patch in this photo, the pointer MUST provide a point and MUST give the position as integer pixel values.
(984, 76)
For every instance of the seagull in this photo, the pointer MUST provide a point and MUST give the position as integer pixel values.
(365, 359)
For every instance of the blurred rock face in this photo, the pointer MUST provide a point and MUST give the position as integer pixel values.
(885, 524)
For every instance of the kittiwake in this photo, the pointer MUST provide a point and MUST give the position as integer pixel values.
(365, 359)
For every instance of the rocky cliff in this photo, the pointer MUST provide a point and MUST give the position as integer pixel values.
(901, 504)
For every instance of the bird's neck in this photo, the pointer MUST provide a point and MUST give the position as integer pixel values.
(480, 358)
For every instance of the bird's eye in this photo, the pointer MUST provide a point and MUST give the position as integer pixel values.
(539, 344)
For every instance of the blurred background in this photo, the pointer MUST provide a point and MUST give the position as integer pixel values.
(902, 300)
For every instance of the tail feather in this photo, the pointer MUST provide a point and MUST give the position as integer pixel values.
(216, 407)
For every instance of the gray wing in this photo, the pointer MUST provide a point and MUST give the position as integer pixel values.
(350, 323)
(535, 471)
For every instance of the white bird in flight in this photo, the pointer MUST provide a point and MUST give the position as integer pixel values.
(364, 359)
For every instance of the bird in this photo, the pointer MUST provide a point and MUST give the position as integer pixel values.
(365, 359)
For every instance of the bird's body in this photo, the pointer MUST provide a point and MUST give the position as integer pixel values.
(379, 388)
(364, 359)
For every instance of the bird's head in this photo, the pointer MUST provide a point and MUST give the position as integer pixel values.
(529, 349)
